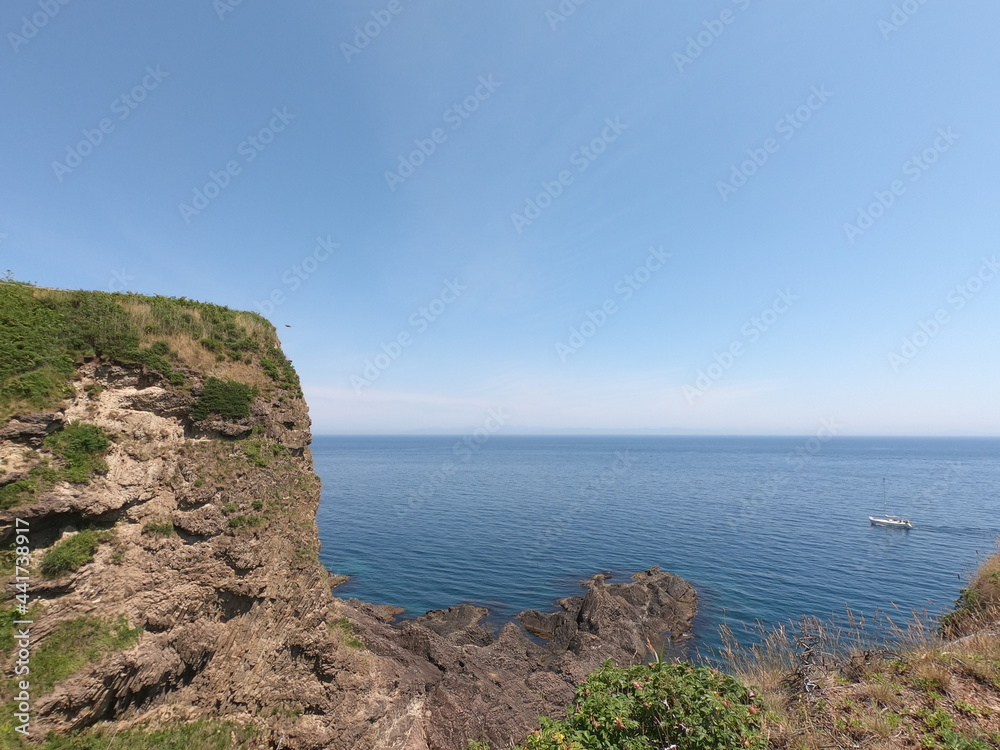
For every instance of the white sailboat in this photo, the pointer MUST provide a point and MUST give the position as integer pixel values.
(894, 522)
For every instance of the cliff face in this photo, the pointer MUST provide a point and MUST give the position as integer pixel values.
(155, 458)
(197, 590)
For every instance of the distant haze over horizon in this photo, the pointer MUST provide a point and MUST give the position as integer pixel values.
(733, 218)
(471, 431)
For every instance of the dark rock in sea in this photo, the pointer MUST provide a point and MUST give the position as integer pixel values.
(470, 683)
(627, 616)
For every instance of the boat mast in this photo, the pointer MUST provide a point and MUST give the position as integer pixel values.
(885, 509)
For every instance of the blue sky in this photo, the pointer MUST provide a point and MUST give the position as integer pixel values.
(718, 217)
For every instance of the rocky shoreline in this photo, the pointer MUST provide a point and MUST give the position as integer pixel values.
(468, 672)
(189, 554)
(238, 625)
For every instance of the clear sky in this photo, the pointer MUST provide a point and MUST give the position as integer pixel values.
(712, 217)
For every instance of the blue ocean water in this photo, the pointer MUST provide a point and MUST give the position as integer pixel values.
(767, 529)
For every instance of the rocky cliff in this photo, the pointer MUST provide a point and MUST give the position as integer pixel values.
(157, 494)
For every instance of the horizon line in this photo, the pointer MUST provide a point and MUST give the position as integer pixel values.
(636, 434)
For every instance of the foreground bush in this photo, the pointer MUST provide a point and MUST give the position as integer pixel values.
(655, 706)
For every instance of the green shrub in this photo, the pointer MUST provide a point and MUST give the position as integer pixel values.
(16, 493)
(227, 398)
(94, 390)
(347, 637)
(263, 452)
(153, 358)
(648, 707)
(81, 447)
(240, 522)
(159, 528)
(44, 332)
(37, 389)
(71, 554)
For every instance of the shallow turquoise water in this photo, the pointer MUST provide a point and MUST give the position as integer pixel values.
(767, 529)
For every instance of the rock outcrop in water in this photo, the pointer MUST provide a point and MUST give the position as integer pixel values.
(196, 592)
(469, 684)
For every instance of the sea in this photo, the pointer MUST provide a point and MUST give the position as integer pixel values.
(768, 529)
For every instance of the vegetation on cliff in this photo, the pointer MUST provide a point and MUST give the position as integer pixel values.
(158, 448)
(179, 602)
(44, 333)
(933, 685)
(928, 683)
(74, 455)
(652, 706)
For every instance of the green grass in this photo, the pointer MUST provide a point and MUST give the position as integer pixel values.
(7, 616)
(79, 448)
(263, 452)
(159, 528)
(74, 644)
(197, 735)
(44, 333)
(227, 398)
(16, 493)
(68, 648)
(71, 554)
(245, 522)
(346, 630)
(280, 370)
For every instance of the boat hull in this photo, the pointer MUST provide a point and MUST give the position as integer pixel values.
(891, 523)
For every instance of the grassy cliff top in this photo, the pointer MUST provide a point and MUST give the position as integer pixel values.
(44, 333)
